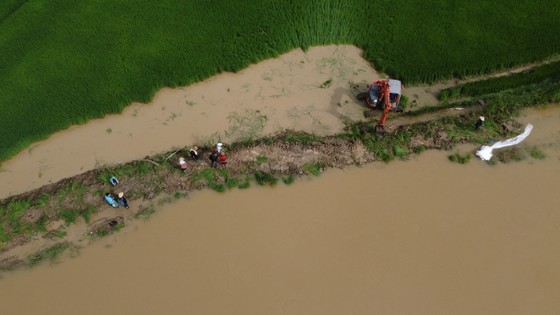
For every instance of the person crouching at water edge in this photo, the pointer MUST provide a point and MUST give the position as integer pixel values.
(111, 201)
(182, 163)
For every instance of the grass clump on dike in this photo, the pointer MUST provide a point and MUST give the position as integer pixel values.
(174, 44)
(460, 158)
(385, 146)
(27, 217)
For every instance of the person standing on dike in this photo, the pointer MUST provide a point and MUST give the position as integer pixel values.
(223, 158)
(213, 158)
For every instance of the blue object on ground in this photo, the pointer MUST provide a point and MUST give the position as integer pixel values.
(111, 201)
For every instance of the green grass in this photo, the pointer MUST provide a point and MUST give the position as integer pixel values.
(265, 179)
(143, 168)
(68, 215)
(313, 169)
(4, 236)
(49, 253)
(212, 178)
(288, 180)
(507, 104)
(262, 159)
(86, 214)
(60, 233)
(385, 147)
(65, 62)
(232, 182)
(76, 190)
(10, 220)
(145, 212)
(508, 155)
(301, 137)
(244, 184)
(8, 7)
(546, 73)
(13, 224)
(536, 153)
(16, 209)
(179, 194)
(458, 158)
(326, 84)
(136, 168)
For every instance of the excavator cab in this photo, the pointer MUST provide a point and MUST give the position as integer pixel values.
(376, 93)
(384, 95)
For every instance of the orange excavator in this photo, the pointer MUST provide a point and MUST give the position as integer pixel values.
(384, 95)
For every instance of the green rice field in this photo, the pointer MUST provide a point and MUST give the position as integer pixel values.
(64, 62)
(534, 78)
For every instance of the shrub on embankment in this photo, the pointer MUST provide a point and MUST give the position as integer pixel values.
(65, 62)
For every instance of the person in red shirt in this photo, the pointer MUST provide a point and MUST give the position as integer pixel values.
(223, 158)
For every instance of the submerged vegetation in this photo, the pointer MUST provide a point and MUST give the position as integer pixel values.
(96, 57)
(459, 158)
(49, 253)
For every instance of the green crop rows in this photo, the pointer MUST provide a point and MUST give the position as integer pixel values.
(64, 62)
(539, 76)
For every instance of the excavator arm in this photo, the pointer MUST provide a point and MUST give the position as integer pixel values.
(384, 93)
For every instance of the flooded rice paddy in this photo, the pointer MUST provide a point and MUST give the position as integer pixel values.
(423, 236)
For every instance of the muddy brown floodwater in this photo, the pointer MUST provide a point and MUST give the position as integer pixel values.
(419, 237)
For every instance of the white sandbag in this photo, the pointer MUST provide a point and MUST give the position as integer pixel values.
(485, 152)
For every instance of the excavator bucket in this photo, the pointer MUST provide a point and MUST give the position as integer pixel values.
(380, 128)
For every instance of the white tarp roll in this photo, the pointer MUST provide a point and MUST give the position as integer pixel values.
(485, 152)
